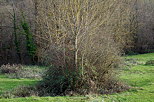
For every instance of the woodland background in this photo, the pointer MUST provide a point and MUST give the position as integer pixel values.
(133, 26)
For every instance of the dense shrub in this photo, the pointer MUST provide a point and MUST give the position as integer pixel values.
(114, 86)
(58, 82)
(92, 77)
(83, 57)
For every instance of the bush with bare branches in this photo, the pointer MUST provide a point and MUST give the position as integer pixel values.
(82, 42)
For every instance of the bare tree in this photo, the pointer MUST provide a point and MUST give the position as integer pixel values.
(83, 36)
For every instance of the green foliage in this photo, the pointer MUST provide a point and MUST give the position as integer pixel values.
(30, 45)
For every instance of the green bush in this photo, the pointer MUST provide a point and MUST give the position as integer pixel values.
(30, 44)
(69, 82)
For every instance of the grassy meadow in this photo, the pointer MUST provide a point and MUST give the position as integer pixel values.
(138, 75)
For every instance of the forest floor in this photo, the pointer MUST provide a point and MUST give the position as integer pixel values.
(137, 75)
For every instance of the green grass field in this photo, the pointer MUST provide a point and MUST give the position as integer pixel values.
(7, 84)
(140, 76)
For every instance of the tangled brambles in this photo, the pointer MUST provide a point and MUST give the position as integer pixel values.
(19, 71)
(9, 69)
(150, 62)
